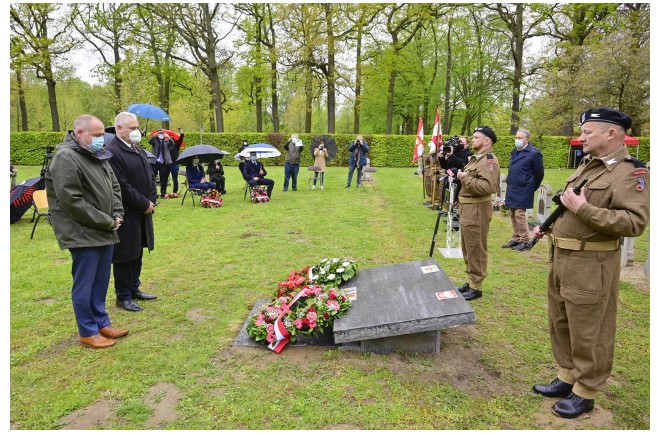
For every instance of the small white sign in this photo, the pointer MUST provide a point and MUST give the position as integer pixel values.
(430, 269)
(450, 294)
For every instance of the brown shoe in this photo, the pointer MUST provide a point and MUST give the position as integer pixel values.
(112, 332)
(97, 341)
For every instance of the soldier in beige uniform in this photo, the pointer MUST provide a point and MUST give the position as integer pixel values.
(584, 251)
(479, 180)
(433, 186)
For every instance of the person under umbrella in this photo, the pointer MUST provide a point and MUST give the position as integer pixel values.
(216, 174)
(196, 176)
(254, 173)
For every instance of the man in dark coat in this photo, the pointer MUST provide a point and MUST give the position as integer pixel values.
(525, 176)
(162, 145)
(138, 195)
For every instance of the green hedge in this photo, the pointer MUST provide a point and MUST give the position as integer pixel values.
(385, 150)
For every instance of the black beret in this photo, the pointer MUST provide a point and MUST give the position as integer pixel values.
(604, 114)
(487, 131)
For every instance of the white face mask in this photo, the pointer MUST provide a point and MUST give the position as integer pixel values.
(135, 136)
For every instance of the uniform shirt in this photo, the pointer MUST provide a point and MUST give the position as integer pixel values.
(618, 195)
(483, 178)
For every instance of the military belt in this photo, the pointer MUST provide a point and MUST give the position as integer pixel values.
(474, 200)
(584, 245)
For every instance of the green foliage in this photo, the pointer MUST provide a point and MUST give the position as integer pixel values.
(394, 151)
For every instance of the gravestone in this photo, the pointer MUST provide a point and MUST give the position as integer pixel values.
(543, 203)
(627, 251)
(401, 307)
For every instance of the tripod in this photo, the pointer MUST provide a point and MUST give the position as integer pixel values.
(45, 164)
(441, 213)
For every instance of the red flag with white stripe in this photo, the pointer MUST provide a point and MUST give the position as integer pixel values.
(437, 137)
(419, 141)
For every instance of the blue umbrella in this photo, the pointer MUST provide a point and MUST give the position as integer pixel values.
(149, 111)
(262, 150)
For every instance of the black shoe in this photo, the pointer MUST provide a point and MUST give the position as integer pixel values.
(556, 388)
(348, 185)
(143, 296)
(223, 192)
(522, 246)
(464, 288)
(128, 305)
(511, 244)
(572, 406)
(426, 203)
(471, 294)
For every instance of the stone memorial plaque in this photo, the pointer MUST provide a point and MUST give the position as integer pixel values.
(398, 301)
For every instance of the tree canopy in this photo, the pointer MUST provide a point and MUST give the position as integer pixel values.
(331, 67)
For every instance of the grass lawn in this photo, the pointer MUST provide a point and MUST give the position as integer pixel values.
(177, 368)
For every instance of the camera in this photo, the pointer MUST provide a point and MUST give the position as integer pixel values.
(452, 145)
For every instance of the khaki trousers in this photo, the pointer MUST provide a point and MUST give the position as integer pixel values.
(519, 223)
(582, 305)
(474, 222)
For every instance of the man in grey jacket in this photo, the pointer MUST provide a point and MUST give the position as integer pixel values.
(84, 199)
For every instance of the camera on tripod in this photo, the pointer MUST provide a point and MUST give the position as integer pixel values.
(452, 145)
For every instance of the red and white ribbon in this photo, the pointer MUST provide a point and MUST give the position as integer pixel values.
(283, 336)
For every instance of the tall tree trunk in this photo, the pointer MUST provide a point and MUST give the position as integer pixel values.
(308, 88)
(22, 105)
(213, 126)
(330, 78)
(359, 78)
(518, 46)
(391, 99)
(448, 80)
(274, 72)
(52, 101)
(257, 78)
(216, 98)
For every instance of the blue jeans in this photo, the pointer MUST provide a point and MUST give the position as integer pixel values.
(91, 273)
(291, 169)
(359, 175)
(321, 179)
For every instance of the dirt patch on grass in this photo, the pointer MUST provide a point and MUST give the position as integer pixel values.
(48, 301)
(162, 398)
(93, 416)
(196, 315)
(247, 235)
(58, 348)
(599, 418)
(635, 275)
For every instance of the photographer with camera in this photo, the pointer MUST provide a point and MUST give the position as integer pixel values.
(320, 154)
(358, 158)
(293, 146)
(454, 153)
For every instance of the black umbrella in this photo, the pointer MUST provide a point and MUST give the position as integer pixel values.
(205, 153)
(20, 198)
(329, 144)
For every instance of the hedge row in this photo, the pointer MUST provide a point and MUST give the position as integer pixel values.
(385, 151)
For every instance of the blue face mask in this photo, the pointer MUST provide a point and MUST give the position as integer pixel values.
(519, 143)
(97, 143)
(253, 158)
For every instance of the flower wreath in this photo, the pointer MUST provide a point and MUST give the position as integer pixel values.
(171, 195)
(303, 304)
(259, 194)
(212, 199)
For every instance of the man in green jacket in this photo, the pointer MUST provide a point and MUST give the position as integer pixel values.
(84, 199)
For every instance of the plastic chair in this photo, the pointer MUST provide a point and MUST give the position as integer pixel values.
(40, 199)
(311, 174)
(368, 176)
(192, 190)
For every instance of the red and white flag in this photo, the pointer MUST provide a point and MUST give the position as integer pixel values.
(419, 141)
(437, 137)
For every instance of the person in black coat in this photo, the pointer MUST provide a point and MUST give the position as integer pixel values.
(174, 167)
(216, 174)
(255, 172)
(162, 144)
(139, 195)
(525, 176)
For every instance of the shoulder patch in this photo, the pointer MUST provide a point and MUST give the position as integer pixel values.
(636, 162)
(640, 172)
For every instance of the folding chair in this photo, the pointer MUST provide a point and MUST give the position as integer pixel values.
(311, 174)
(192, 190)
(368, 176)
(247, 187)
(40, 208)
